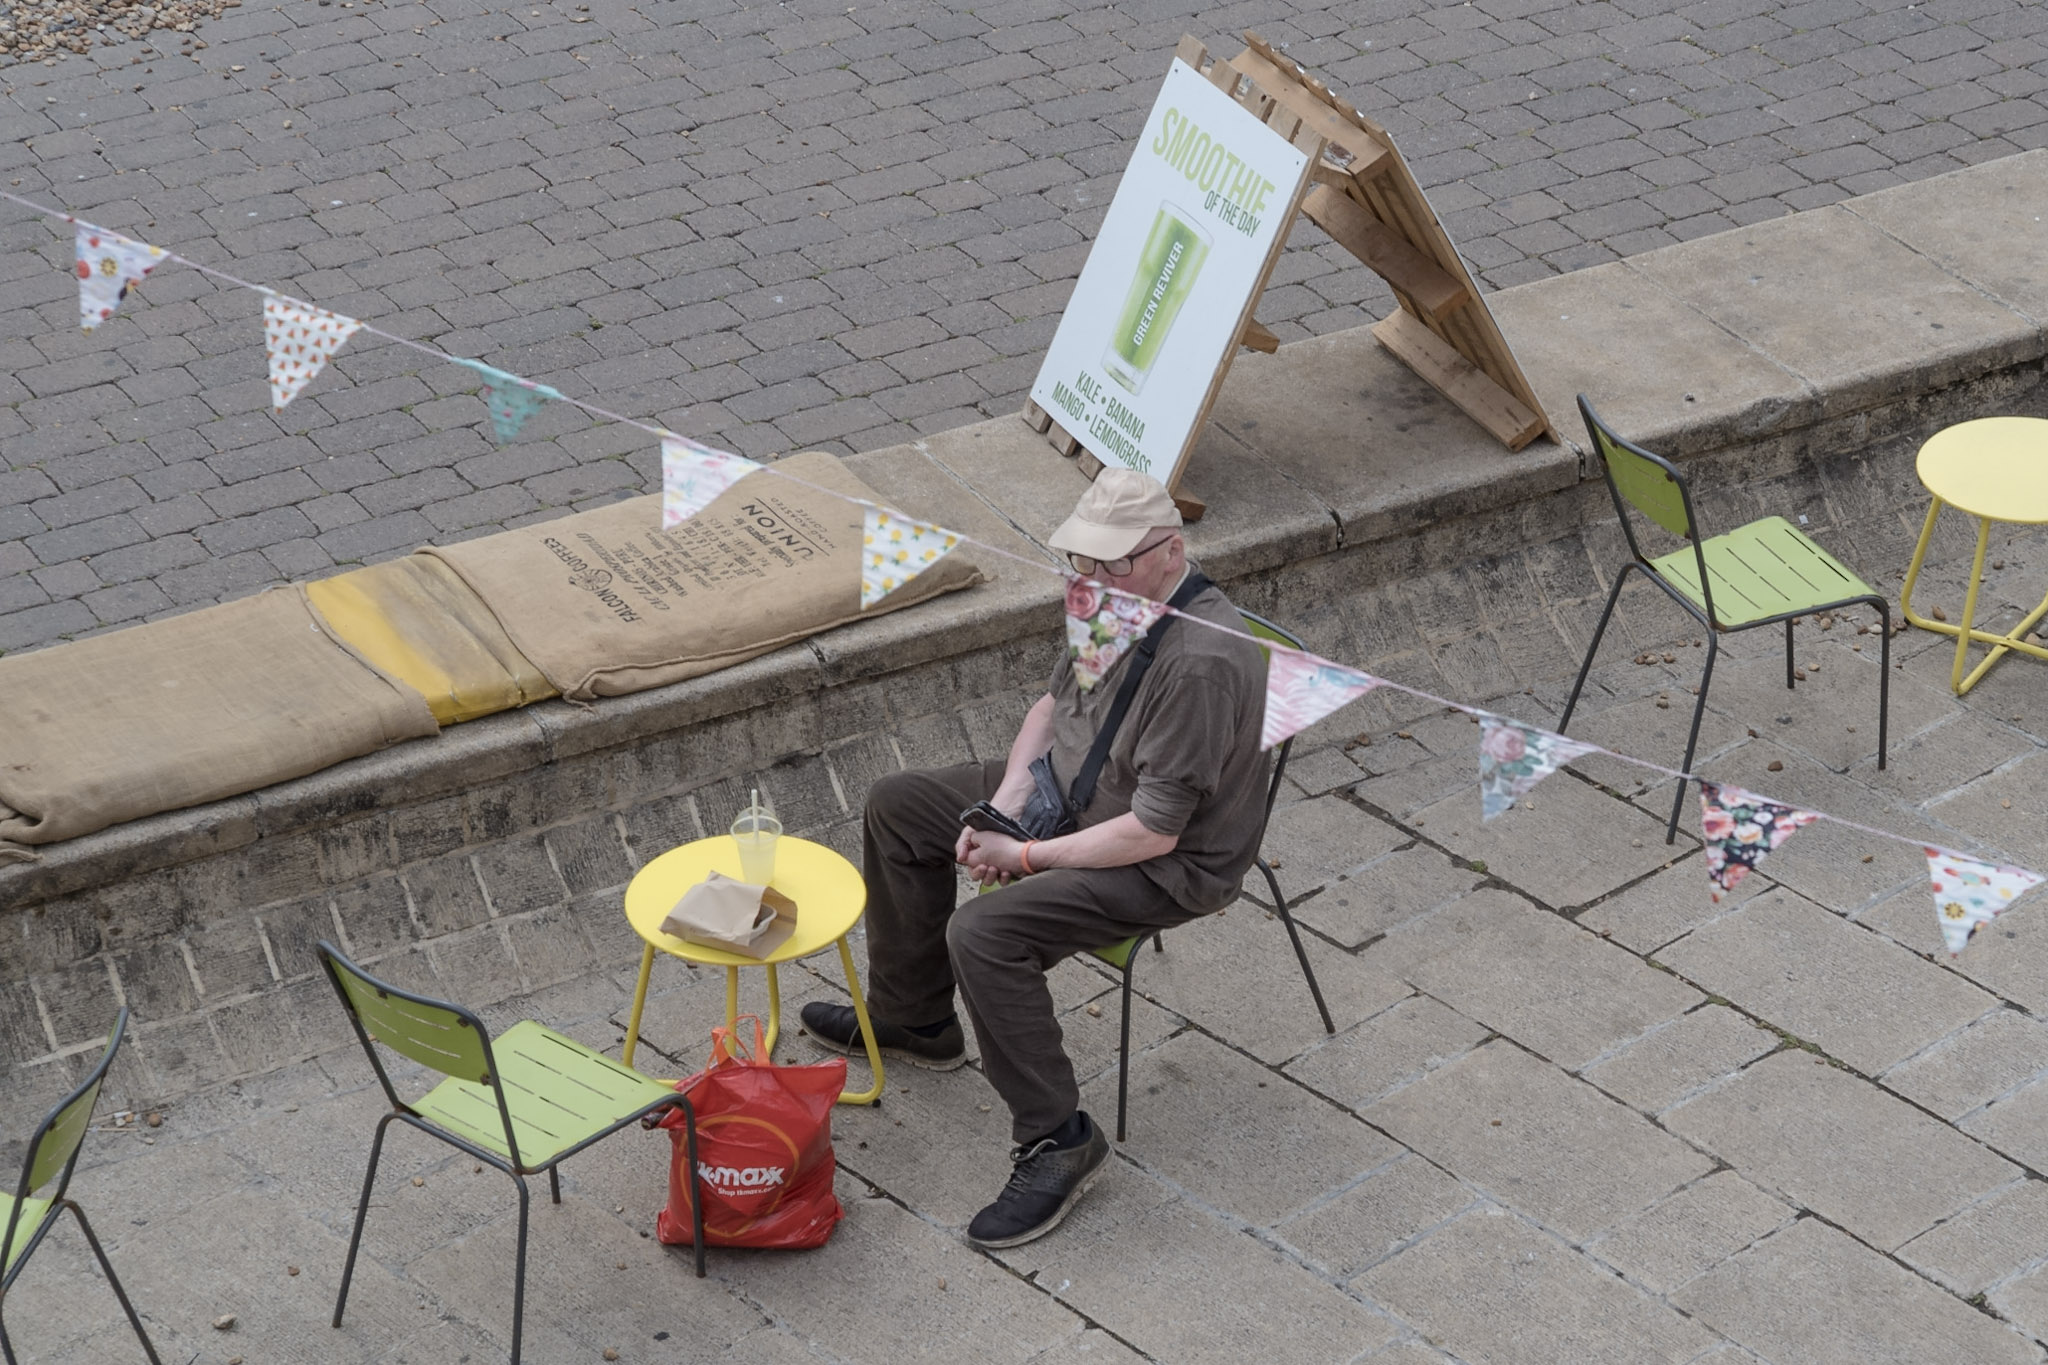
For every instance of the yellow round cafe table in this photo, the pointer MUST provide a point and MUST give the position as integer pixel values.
(1995, 469)
(829, 896)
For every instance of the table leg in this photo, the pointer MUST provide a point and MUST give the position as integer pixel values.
(1913, 570)
(1970, 607)
(867, 1033)
(774, 1014)
(639, 1003)
(732, 1006)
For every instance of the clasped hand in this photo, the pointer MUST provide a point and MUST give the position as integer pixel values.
(991, 859)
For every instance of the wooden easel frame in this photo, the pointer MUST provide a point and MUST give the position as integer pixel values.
(1361, 193)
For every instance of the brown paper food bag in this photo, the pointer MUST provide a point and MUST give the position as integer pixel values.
(737, 916)
(606, 602)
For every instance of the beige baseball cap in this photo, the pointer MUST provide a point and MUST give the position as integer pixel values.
(1115, 514)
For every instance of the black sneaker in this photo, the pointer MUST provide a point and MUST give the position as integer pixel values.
(837, 1028)
(1045, 1184)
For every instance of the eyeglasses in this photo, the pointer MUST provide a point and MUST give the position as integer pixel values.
(1087, 566)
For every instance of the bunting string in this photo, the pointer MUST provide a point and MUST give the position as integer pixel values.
(1303, 663)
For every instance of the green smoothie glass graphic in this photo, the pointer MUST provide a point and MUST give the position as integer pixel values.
(1167, 269)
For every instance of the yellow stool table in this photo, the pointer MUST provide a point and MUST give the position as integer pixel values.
(829, 896)
(1995, 469)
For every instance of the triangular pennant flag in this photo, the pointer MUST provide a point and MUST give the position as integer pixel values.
(1102, 624)
(511, 399)
(1740, 827)
(109, 265)
(1969, 892)
(301, 340)
(895, 549)
(1514, 757)
(1301, 689)
(693, 475)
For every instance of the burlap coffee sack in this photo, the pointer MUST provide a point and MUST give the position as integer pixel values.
(606, 602)
(182, 711)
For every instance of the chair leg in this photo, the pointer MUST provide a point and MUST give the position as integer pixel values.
(1884, 673)
(355, 1238)
(1300, 953)
(134, 1318)
(1692, 740)
(555, 1184)
(1123, 1056)
(1606, 612)
(1788, 652)
(696, 1188)
(519, 1272)
(6, 1346)
(1159, 943)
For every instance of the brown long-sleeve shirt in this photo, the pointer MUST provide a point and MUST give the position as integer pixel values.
(1186, 760)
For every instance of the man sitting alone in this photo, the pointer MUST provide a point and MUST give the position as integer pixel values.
(1172, 826)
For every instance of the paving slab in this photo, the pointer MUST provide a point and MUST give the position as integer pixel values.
(1668, 904)
(1280, 1150)
(1851, 992)
(1694, 1230)
(1139, 1258)
(1537, 1140)
(1765, 1300)
(1987, 1242)
(1526, 1300)
(1392, 1048)
(2025, 1302)
(1840, 1146)
(1985, 227)
(1390, 1208)
(1852, 350)
(1670, 1062)
(1996, 1054)
(1553, 987)
(1312, 843)
(1566, 843)
(1390, 890)
(1642, 727)
(2014, 1124)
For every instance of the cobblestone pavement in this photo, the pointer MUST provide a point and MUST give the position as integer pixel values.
(784, 225)
(1573, 1110)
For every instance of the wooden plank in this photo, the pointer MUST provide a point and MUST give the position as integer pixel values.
(1089, 464)
(1368, 154)
(1191, 50)
(1062, 440)
(1257, 338)
(1035, 417)
(1458, 379)
(1435, 291)
(1190, 504)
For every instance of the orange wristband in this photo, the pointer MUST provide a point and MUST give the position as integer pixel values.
(1024, 855)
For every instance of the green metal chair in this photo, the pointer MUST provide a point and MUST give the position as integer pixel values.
(1124, 955)
(1756, 575)
(523, 1102)
(52, 1154)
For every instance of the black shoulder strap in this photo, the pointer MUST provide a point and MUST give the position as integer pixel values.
(1083, 790)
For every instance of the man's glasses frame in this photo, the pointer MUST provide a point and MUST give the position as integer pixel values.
(1087, 565)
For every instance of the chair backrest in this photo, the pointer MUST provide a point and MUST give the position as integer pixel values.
(437, 1034)
(1652, 485)
(53, 1149)
(1266, 630)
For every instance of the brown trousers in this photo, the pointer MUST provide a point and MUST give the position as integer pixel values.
(996, 948)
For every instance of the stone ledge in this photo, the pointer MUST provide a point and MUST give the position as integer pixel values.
(1330, 447)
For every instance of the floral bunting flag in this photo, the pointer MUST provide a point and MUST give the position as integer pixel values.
(693, 475)
(301, 340)
(510, 398)
(1102, 625)
(1301, 689)
(895, 549)
(109, 266)
(1740, 827)
(1969, 893)
(1514, 757)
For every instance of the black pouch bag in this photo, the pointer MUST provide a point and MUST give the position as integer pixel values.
(1052, 810)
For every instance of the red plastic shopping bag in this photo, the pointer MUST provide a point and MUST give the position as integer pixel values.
(764, 1150)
